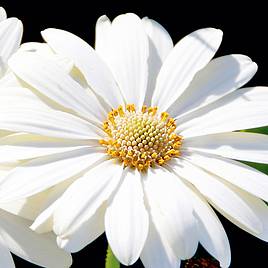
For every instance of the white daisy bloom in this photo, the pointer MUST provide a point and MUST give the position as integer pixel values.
(140, 144)
(15, 235)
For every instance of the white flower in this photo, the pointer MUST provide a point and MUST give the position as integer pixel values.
(15, 235)
(130, 170)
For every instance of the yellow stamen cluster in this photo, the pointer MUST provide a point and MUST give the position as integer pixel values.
(141, 139)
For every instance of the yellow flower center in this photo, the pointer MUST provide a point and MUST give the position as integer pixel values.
(141, 139)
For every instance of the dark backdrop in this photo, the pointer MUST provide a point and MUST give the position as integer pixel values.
(245, 31)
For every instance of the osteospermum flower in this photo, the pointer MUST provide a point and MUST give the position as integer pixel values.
(138, 141)
(15, 235)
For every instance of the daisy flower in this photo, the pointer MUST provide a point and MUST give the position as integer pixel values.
(139, 141)
(15, 235)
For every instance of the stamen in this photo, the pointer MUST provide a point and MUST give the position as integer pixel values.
(141, 139)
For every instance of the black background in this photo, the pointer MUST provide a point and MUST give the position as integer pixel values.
(245, 32)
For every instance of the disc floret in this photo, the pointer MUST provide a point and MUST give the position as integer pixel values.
(141, 139)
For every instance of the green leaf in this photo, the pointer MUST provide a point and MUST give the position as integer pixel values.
(111, 261)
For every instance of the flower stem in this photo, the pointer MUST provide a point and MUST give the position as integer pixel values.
(111, 261)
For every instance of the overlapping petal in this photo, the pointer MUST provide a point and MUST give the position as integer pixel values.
(41, 173)
(83, 199)
(171, 211)
(222, 197)
(189, 56)
(50, 80)
(220, 77)
(41, 250)
(97, 74)
(236, 145)
(242, 109)
(127, 235)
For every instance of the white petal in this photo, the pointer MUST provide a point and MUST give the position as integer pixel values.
(211, 233)
(237, 145)
(41, 173)
(9, 79)
(171, 211)
(259, 207)
(44, 50)
(157, 253)
(84, 197)
(38, 249)
(43, 223)
(97, 74)
(160, 44)
(245, 108)
(28, 208)
(103, 31)
(218, 194)
(6, 258)
(20, 146)
(51, 80)
(189, 56)
(239, 174)
(3, 14)
(126, 219)
(128, 56)
(16, 95)
(46, 122)
(220, 77)
(85, 234)
(10, 37)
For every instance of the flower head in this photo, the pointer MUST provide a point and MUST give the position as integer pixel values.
(138, 140)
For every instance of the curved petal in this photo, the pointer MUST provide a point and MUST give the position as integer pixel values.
(43, 223)
(10, 37)
(9, 79)
(126, 219)
(222, 197)
(102, 40)
(212, 235)
(242, 109)
(46, 122)
(6, 259)
(171, 211)
(52, 81)
(160, 44)
(44, 50)
(41, 173)
(3, 14)
(157, 252)
(85, 234)
(20, 146)
(220, 77)
(259, 207)
(239, 174)
(84, 197)
(97, 74)
(18, 96)
(236, 145)
(189, 56)
(29, 207)
(127, 57)
(38, 249)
